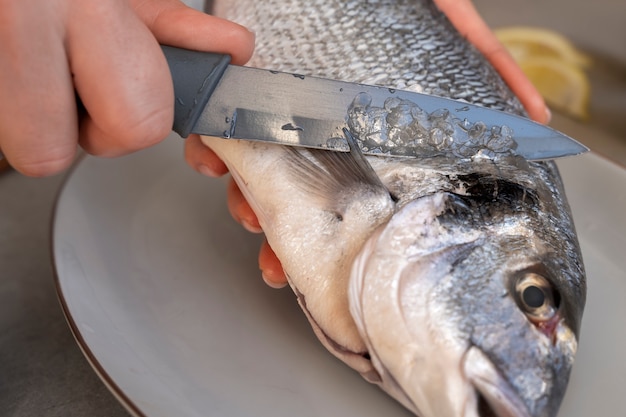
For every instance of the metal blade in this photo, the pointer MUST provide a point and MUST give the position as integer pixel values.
(291, 109)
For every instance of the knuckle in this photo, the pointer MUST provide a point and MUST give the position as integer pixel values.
(143, 130)
(245, 40)
(43, 165)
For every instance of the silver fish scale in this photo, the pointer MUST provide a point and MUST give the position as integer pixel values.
(372, 42)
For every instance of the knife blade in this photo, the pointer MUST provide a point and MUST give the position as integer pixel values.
(215, 98)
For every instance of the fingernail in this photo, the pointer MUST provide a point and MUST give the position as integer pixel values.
(273, 284)
(205, 170)
(548, 115)
(250, 227)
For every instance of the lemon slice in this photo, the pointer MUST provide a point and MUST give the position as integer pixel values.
(529, 42)
(553, 65)
(564, 86)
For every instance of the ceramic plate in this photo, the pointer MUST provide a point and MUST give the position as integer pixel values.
(162, 291)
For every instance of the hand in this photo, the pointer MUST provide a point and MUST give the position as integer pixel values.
(468, 22)
(108, 53)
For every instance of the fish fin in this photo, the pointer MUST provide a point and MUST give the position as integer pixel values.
(336, 177)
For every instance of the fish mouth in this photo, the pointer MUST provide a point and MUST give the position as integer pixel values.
(495, 397)
(359, 361)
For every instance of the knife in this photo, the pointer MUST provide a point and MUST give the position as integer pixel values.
(215, 98)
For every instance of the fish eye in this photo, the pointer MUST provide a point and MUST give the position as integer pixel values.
(536, 297)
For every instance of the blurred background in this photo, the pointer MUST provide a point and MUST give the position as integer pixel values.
(598, 29)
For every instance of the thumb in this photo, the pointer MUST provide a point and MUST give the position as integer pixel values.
(173, 23)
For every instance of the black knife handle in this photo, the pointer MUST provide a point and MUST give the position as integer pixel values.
(195, 75)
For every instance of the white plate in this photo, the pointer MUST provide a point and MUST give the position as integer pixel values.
(163, 293)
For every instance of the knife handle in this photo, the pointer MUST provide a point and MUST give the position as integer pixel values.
(195, 75)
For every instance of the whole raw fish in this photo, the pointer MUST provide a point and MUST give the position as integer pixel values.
(457, 285)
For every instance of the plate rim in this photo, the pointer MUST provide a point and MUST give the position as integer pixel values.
(91, 358)
(123, 398)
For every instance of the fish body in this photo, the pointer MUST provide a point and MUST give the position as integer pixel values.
(457, 285)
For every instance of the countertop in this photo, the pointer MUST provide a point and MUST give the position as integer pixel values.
(42, 370)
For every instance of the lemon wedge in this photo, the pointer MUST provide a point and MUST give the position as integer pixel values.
(529, 42)
(564, 86)
(553, 65)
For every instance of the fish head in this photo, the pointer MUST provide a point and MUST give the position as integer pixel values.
(470, 301)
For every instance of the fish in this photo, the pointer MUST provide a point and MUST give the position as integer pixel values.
(455, 283)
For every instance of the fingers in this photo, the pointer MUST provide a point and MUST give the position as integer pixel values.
(468, 22)
(205, 161)
(517, 81)
(202, 158)
(107, 53)
(133, 109)
(240, 209)
(121, 77)
(271, 269)
(173, 23)
(37, 111)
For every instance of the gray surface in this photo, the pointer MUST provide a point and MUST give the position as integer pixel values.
(42, 370)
